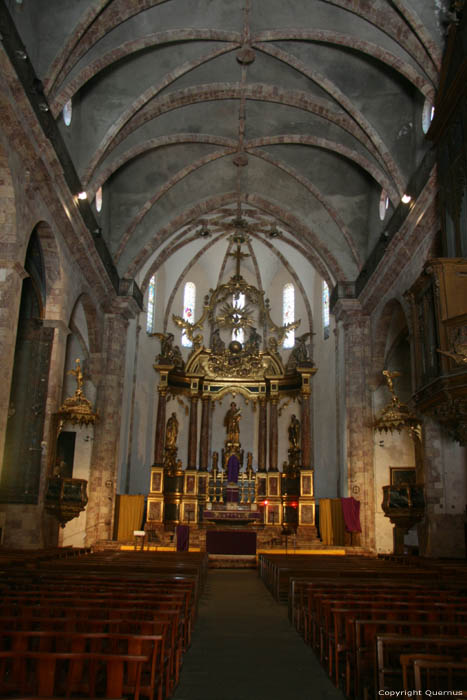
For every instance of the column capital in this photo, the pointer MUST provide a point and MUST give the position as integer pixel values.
(347, 310)
(60, 325)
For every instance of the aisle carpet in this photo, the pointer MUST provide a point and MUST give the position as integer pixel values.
(244, 648)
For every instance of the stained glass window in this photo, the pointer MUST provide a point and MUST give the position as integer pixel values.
(288, 313)
(189, 298)
(325, 309)
(239, 303)
(151, 305)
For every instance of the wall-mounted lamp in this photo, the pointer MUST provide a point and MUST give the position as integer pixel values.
(406, 198)
(82, 195)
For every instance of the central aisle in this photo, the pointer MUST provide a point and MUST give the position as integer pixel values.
(244, 648)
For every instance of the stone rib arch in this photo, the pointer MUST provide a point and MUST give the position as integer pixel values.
(392, 309)
(93, 324)
(317, 254)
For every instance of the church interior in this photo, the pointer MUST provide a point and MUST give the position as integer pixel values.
(233, 303)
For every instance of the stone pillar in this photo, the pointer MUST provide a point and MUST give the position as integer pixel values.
(357, 432)
(193, 433)
(204, 437)
(262, 435)
(105, 454)
(11, 279)
(273, 435)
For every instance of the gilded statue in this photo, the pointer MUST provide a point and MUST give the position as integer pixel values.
(232, 423)
(294, 432)
(78, 375)
(171, 432)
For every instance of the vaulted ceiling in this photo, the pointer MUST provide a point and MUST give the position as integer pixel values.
(288, 117)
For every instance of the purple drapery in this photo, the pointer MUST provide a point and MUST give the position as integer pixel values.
(233, 467)
(351, 511)
(183, 538)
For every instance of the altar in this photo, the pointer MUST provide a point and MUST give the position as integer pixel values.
(230, 542)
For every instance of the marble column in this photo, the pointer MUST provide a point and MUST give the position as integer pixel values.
(357, 438)
(159, 438)
(273, 435)
(306, 431)
(107, 432)
(262, 435)
(204, 437)
(193, 433)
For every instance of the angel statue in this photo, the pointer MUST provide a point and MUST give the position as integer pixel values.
(78, 375)
(299, 353)
(217, 344)
(169, 352)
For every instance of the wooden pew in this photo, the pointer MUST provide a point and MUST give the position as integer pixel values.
(48, 673)
(392, 673)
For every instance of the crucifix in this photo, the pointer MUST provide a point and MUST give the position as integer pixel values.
(238, 255)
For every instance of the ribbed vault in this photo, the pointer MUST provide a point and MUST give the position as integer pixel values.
(290, 116)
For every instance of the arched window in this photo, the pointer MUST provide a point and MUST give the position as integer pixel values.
(67, 113)
(98, 200)
(325, 301)
(151, 305)
(383, 204)
(189, 299)
(239, 303)
(288, 312)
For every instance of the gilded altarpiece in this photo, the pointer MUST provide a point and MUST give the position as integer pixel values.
(234, 486)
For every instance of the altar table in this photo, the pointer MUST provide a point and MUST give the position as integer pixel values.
(230, 542)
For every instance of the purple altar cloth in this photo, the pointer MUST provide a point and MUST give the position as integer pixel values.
(183, 538)
(351, 512)
(230, 542)
(233, 467)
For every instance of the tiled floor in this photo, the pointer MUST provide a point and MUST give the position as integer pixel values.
(244, 647)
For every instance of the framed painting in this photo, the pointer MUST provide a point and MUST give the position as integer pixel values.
(190, 484)
(402, 476)
(156, 482)
(273, 515)
(306, 485)
(273, 483)
(155, 511)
